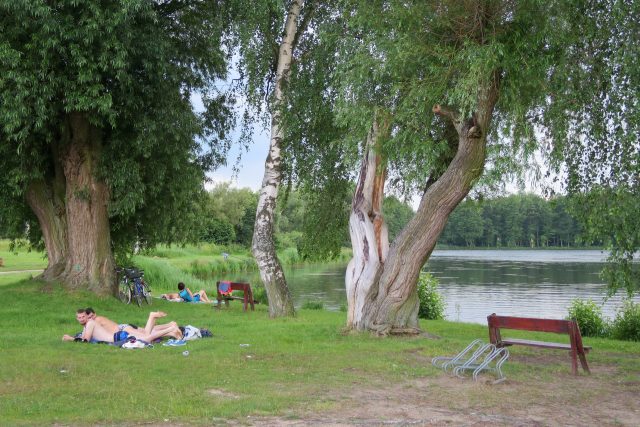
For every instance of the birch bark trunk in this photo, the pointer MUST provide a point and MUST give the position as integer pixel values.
(263, 246)
(382, 284)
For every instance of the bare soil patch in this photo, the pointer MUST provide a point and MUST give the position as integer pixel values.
(601, 399)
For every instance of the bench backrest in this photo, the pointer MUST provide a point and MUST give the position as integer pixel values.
(531, 324)
(236, 286)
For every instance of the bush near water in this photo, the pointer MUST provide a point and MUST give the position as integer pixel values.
(625, 326)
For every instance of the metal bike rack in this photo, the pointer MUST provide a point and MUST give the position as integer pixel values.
(460, 358)
(478, 357)
(483, 362)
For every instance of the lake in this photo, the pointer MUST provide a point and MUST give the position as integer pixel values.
(476, 283)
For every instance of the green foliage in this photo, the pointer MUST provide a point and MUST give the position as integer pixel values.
(230, 204)
(244, 229)
(589, 317)
(432, 304)
(313, 305)
(288, 240)
(130, 68)
(260, 294)
(595, 128)
(396, 215)
(610, 216)
(163, 277)
(219, 232)
(465, 225)
(626, 325)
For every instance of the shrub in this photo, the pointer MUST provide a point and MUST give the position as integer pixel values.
(626, 325)
(260, 294)
(312, 305)
(589, 317)
(431, 302)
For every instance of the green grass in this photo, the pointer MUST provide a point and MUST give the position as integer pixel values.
(21, 258)
(287, 363)
(290, 364)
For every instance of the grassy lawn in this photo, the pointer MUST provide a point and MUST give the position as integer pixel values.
(303, 368)
(21, 259)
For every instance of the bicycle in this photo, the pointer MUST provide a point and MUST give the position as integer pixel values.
(133, 286)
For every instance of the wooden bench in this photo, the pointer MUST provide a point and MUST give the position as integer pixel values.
(569, 327)
(236, 286)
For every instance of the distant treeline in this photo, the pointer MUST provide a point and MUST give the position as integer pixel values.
(514, 221)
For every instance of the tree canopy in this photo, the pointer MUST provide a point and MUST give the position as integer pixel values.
(122, 73)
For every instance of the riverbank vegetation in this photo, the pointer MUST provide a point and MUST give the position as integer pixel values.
(625, 325)
(299, 369)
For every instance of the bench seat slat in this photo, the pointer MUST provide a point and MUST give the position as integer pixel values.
(545, 344)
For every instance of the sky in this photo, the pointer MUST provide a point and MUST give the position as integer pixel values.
(251, 166)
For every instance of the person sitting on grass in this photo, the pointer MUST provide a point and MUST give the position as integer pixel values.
(94, 331)
(188, 296)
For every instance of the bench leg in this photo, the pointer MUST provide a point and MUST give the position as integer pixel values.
(574, 361)
(583, 362)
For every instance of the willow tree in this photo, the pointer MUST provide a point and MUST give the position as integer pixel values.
(440, 89)
(97, 133)
(594, 118)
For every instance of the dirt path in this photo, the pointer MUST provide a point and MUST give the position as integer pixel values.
(604, 398)
(21, 271)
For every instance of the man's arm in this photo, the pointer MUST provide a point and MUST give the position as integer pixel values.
(87, 332)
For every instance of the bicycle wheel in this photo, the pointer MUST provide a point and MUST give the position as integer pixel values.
(146, 292)
(124, 291)
(137, 292)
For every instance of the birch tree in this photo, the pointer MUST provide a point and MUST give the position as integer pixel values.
(269, 35)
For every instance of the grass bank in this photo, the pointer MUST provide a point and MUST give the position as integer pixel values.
(301, 368)
(200, 266)
(20, 258)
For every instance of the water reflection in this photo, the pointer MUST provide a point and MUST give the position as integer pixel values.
(478, 283)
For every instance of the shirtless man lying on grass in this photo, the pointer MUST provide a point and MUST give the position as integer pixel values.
(100, 328)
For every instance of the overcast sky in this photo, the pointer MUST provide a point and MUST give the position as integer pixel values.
(251, 167)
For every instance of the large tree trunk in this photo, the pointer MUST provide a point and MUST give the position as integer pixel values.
(381, 287)
(47, 202)
(90, 262)
(369, 235)
(263, 246)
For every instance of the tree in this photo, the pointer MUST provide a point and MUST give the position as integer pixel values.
(229, 204)
(465, 224)
(594, 120)
(438, 87)
(97, 132)
(260, 64)
(283, 71)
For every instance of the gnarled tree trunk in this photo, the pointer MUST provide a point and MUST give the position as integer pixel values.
(263, 246)
(47, 202)
(90, 262)
(369, 235)
(382, 286)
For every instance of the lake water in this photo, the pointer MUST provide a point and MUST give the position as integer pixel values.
(476, 283)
